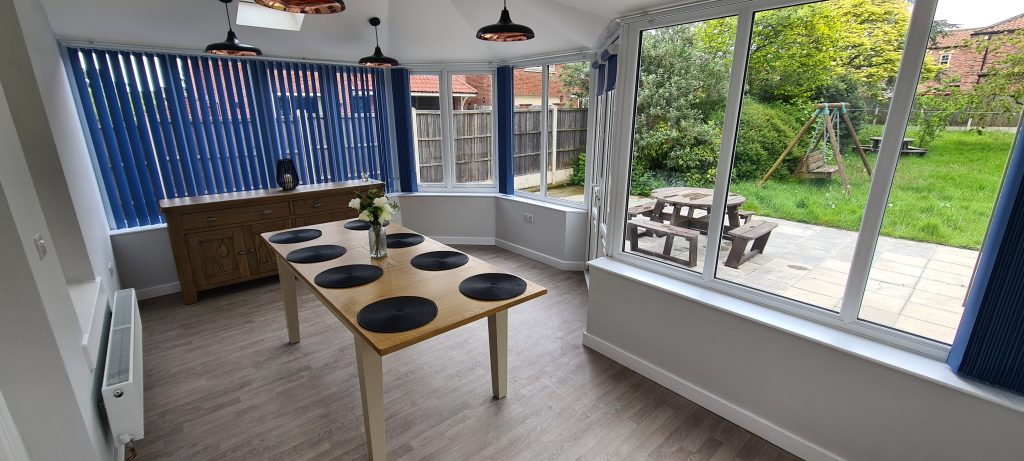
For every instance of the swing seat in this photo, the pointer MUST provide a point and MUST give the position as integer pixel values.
(813, 166)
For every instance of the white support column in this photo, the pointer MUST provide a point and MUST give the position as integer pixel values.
(896, 122)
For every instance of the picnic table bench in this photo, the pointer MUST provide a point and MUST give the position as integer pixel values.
(905, 147)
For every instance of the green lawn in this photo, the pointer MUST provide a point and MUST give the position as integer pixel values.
(944, 197)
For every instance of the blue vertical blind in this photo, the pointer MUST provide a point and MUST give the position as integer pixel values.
(169, 126)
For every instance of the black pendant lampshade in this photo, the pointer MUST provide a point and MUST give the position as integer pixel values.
(287, 176)
(377, 59)
(305, 6)
(505, 30)
(231, 46)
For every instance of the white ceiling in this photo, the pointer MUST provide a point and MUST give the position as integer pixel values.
(413, 31)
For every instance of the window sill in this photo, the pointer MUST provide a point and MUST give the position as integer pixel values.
(929, 369)
(514, 198)
(133, 230)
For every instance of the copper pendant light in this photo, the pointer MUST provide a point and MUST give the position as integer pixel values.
(231, 46)
(377, 59)
(505, 30)
(305, 6)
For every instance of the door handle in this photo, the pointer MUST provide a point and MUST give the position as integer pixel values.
(266, 212)
(252, 250)
(317, 205)
(241, 253)
(211, 219)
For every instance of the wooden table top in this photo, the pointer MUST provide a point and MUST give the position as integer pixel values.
(694, 197)
(400, 279)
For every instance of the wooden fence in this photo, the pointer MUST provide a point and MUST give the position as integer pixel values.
(472, 131)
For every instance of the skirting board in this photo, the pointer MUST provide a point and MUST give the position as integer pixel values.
(749, 421)
(159, 290)
(465, 240)
(553, 262)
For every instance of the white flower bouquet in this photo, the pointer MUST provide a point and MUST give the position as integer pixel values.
(374, 207)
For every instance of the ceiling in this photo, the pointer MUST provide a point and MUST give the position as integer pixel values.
(413, 31)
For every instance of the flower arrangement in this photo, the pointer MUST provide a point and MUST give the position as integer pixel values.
(373, 207)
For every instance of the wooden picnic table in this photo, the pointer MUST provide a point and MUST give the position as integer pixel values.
(693, 199)
(876, 143)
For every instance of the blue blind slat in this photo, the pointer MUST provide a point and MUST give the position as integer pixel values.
(99, 142)
(165, 125)
(122, 161)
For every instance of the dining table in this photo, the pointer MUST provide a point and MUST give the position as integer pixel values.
(696, 201)
(420, 278)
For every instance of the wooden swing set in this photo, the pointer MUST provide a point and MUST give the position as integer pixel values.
(814, 163)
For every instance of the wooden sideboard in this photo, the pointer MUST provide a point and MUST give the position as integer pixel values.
(215, 238)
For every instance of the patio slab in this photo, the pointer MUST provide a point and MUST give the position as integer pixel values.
(913, 286)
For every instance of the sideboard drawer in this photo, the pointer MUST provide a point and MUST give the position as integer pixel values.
(237, 215)
(322, 204)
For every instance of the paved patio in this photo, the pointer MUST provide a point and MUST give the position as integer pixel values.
(915, 287)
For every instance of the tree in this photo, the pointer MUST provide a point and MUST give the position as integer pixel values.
(1002, 87)
(574, 80)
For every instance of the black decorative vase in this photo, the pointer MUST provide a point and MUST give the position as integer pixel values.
(287, 176)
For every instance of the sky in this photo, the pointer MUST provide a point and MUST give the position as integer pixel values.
(978, 13)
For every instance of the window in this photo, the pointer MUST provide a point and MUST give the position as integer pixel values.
(472, 122)
(551, 110)
(944, 58)
(426, 113)
(454, 124)
(778, 163)
(169, 126)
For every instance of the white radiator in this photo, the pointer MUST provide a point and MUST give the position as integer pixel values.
(122, 376)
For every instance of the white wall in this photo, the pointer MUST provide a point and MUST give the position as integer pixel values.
(45, 378)
(145, 261)
(809, 398)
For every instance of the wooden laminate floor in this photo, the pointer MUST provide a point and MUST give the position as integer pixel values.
(221, 383)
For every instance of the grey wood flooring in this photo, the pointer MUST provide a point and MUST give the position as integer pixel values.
(221, 383)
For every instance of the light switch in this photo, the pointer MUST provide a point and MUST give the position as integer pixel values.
(40, 245)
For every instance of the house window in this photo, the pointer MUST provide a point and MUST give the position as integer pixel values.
(454, 130)
(169, 126)
(550, 118)
(944, 58)
(772, 162)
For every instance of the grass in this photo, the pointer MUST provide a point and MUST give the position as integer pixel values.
(944, 197)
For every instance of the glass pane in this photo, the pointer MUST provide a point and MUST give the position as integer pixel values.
(800, 179)
(680, 104)
(529, 129)
(472, 128)
(426, 108)
(566, 160)
(949, 172)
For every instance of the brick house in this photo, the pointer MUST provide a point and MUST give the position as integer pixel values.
(964, 65)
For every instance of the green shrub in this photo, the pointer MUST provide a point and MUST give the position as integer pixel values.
(765, 131)
(579, 170)
(643, 182)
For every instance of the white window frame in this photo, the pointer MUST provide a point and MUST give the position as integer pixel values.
(545, 71)
(447, 130)
(945, 58)
(900, 107)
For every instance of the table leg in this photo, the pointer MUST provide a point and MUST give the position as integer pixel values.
(289, 298)
(734, 217)
(371, 388)
(497, 332)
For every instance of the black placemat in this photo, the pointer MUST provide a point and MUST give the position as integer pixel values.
(493, 286)
(398, 314)
(348, 276)
(360, 225)
(439, 260)
(404, 240)
(296, 236)
(316, 254)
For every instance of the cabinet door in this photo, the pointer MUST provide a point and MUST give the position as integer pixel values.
(321, 218)
(261, 258)
(218, 256)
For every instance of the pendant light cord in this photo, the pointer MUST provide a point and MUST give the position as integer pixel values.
(376, 36)
(227, 14)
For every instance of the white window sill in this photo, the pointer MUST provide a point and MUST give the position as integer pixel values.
(926, 368)
(133, 230)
